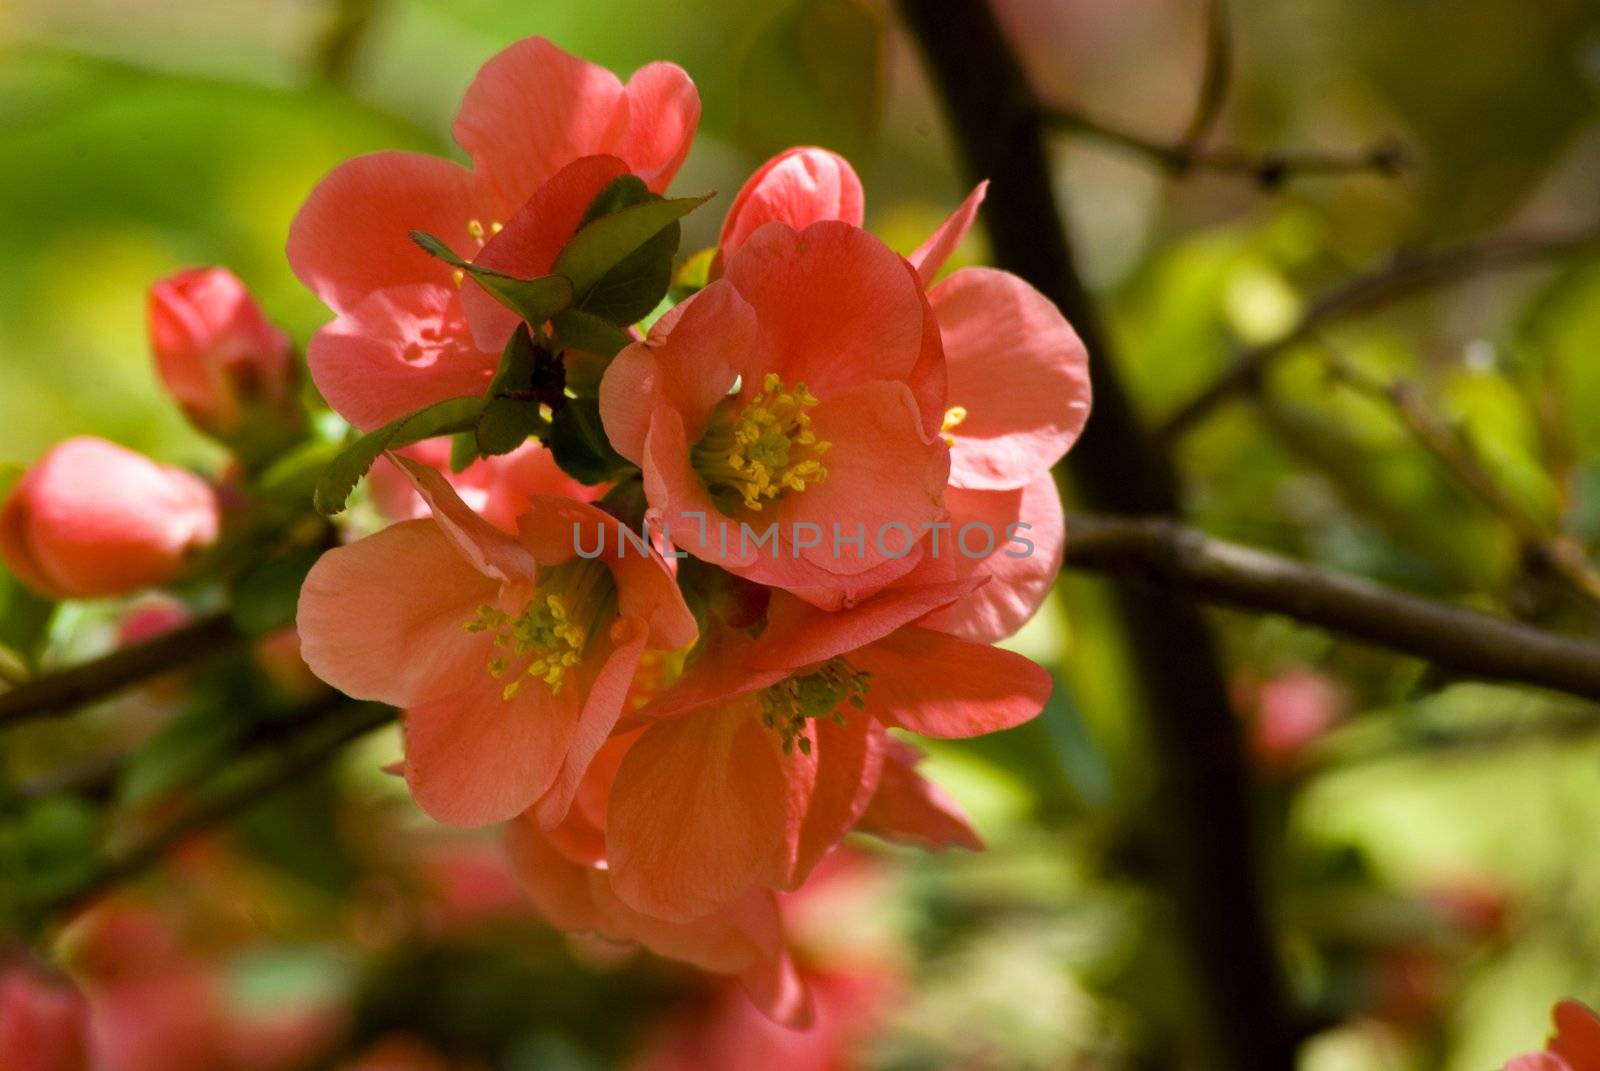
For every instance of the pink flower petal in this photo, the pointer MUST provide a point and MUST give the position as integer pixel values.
(930, 256)
(1017, 369)
(942, 686)
(384, 617)
(352, 235)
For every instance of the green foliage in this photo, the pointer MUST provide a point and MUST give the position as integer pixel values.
(814, 77)
(535, 300)
(578, 441)
(616, 259)
(441, 418)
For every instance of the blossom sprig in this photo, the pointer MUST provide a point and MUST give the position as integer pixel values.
(666, 555)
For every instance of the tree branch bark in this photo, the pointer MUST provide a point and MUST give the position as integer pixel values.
(61, 692)
(1469, 642)
(1203, 812)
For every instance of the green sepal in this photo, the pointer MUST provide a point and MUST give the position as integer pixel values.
(342, 475)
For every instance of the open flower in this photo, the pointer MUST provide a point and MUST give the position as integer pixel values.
(786, 417)
(92, 518)
(1017, 391)
(760, 758)
(401, 339)
(511, 655)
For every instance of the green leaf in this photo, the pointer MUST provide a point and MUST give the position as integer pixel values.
(265, 597)
(441, 418)
(693, 275)
(24, 618)
(506, 424)
(578, 441)
(578, 329)
(814, 76)
(610, 240)
(292, 478)
(535, 300)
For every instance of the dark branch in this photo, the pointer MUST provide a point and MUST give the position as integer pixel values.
(337, 723)
(1270, 169)
(1405, 277)
(62, 692)
(1201, 814)
(1214, 78)
(1466, 641)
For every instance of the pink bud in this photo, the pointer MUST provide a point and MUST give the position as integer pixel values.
(798, 187)
(44, 1026)
(92, 518)
(218, 355)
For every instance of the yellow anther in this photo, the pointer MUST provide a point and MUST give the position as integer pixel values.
(458, 277)
(550, 635)
(765, 449)
(475, 229)
(496, 227)
(953, 418)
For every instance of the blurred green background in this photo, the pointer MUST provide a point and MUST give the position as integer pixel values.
(142, 136)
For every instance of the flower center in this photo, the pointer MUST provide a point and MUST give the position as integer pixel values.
(550, 635)
(953, 418)
(763, 451)
(787, 705)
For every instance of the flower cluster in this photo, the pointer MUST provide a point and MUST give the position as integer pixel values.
(673, 545)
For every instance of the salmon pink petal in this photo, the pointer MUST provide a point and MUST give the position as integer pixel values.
(1027, 544)
(687, 364)
(799, 187)
(1018, 375)
(913, 810)
(884, 479)
(705, 807)
(474, 758)
(491, 551)
(533, 108)
(836, 306)
(384, 617)
(398, 351)
(663, 111)
(529, 241)
(602, 706)
(681, 507)
(777, 989)
(849, 760)
(930, 256)
(559, 888)
(942, 686)
(353, 234)
(799, 634)
(1538, 1061)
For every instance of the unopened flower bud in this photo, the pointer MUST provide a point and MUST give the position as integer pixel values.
(92, 518)
(799, 187)
(233, 372)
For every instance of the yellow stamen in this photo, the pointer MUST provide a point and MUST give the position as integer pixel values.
(952, 420)
(550, 635)
(787, 705)
(763, 451)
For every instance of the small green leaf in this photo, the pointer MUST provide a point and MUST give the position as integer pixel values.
(292, 478)
(24, 617)
(577, 329)
(535, 300)
(441, 418)
(693, 275)
(578, 441)
(506, 424)
(606, 242)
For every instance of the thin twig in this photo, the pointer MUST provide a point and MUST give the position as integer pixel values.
(1563, 555)
(1403, 278)
(1469, 642)
(1269, 169)
(1214, 78)
(61, 692)
(292, 759)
